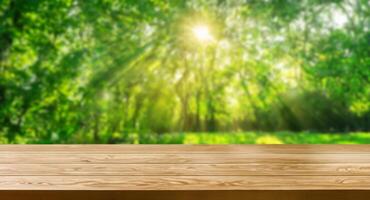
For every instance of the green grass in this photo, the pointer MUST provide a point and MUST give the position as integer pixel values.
(218, 138)
(253, 138)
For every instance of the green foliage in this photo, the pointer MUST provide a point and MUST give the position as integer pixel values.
(276, 138)
(226, 138)
(100, 70)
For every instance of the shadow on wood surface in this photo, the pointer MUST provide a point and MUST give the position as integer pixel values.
(186, 195)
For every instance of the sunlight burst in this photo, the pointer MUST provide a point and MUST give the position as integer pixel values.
(202, 33)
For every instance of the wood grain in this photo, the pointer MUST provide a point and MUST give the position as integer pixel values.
(184, 167)
(182, 158)
(189, 149)
(184, 182)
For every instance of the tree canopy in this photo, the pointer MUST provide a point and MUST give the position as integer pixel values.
(74, 70)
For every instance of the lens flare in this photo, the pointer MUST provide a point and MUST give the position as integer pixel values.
(202, 33)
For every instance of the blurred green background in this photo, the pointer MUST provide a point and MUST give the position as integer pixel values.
(185, 72)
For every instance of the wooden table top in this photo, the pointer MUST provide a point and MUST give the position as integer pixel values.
(184, 167)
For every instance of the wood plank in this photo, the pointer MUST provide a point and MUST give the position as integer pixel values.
(183, 170)
(182, 158)
(184, 183)
(189, 149)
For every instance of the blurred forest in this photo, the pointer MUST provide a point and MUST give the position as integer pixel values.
(98, 71)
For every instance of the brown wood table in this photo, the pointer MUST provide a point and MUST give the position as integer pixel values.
(184, 172)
